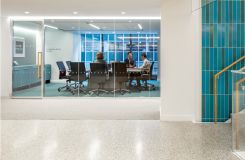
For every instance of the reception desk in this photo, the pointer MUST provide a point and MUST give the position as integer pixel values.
(26, 76)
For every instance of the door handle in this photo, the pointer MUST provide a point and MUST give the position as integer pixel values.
(39, 65)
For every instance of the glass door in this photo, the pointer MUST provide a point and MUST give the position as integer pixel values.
(27, 74)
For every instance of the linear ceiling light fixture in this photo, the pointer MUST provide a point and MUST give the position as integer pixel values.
(140, 27)
(48, 26)
(94, 26)
(24, 30)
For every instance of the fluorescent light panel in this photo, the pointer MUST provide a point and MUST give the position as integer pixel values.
(140, 27)
(94, 26)
(50, 26)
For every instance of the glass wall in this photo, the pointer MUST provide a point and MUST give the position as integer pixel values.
(27, 70)
(238, 112)
(93, 58)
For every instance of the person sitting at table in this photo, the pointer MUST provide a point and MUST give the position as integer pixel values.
(130, 61)
(146, 63)
(100, 58)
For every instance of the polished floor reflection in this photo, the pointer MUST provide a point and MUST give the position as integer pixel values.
(114, 140)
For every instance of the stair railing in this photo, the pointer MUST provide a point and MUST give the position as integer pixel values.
(216, 76)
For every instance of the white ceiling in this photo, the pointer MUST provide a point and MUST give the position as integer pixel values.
(106, 25)
(133, 8)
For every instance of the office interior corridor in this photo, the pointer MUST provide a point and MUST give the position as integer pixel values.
(114, 140)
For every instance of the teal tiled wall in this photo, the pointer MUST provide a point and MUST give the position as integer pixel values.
(223, 42)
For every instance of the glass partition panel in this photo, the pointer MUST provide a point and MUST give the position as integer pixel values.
(138, 44)
(110, 59)
(238, 112)
(62, 56)
(27, 59)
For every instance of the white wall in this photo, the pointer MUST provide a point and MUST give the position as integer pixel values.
(59, 47)
(6, 60)
(180, 61)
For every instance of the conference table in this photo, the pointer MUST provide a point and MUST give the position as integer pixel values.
(110, 83)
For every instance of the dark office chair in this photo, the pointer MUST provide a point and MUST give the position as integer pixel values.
(147, 76)
(62, 75)
(68, 63)
(98, 74)
(119, 71)
(78, 75)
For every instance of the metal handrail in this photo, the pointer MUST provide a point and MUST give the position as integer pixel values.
(237, 111)
(216, 76)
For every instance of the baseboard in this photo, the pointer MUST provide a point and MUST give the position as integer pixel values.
(177, 118)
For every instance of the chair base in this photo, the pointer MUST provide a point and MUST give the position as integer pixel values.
(79, 89)
(66, 87)
(97, 91)
(121, 91)
(149, 87)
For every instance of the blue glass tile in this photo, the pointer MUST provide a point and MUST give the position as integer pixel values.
(215, 59)
(211, 14)
(211, 59)
(215, 35)
(215, 13)
(223, 12)
(239, 35)
(234, 36)
(234, 12)
(238, 10)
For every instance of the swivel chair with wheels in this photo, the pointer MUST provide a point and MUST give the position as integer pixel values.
(63, 75)
(98, 75)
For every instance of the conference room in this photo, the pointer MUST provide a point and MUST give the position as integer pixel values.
(86, 58)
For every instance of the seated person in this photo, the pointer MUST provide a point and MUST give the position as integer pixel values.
(100, 58)
(131, 64)
(146, 63)
(130, 61)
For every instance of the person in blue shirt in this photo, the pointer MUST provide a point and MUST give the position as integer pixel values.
(130, 62)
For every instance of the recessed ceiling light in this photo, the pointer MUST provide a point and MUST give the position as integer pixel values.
(75, 12)
(123, 12)
(26, 12)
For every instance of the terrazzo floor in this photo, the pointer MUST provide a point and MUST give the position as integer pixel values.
(114, 140)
